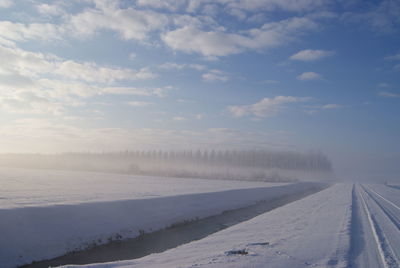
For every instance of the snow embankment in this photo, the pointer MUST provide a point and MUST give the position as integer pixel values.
(314, 231)
(32, 233)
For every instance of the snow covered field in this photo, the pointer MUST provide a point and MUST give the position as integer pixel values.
(33, 187)
(45, 214)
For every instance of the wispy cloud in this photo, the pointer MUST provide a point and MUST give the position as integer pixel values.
(179, 118)
(51, 9)
(331, 106)
(180, 66)
(271, 82)
(381, 16)
(5, 3)
(215, 75)
(393, 57)
(383, 85)
(217, 43)
(266, 107)
(130, 23)
(389, 94)
(306, 76)
(139, 103)
(311, 55)
(39, 83)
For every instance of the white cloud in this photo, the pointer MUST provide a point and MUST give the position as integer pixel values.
(132, 56)
(22, 32)
(198, 67)
(191, 39)
(5, 3)
(39, 83)
(271, 82)
(190, 36)
(174, 5)
(199, 116)
(311, 55)
(266, 107)
(309, 76)
(172, 65)
(233, 6)
(215, 75)
(388, 94)
(180, 66)
(383, 85)
(52, 10)
(91, 72)
(158, 92)
(185, 101)
(179, 118)
(139, 103)
(331, 106)
(33, 64)
(272, 5)
(130, 23)
(393, 57)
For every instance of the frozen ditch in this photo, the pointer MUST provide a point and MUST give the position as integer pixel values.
(180, 233)
(38, 233)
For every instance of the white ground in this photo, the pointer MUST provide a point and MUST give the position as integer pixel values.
(43, 213)
(32, 187)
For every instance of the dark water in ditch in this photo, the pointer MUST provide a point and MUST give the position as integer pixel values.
(173, 236)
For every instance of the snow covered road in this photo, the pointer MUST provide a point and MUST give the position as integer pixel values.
(379, 207)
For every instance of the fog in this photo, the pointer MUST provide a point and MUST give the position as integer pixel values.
(260, 165)
(367, 167)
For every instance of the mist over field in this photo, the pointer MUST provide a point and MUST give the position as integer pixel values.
(210, 164)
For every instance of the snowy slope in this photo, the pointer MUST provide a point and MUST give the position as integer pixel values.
(33, 187)
(311, 232)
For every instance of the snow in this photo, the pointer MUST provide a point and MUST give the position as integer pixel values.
(33, 187)
(45, 214)
(313, 231)
(379, 207)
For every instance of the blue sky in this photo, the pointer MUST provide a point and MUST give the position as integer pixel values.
(94, 75)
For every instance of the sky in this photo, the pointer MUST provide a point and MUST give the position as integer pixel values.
(102, 75)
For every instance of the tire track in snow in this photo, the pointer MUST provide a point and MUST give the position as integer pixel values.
(387, 227)
(388, 201)
(392, 216)
(373, 229)
(385, 248)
